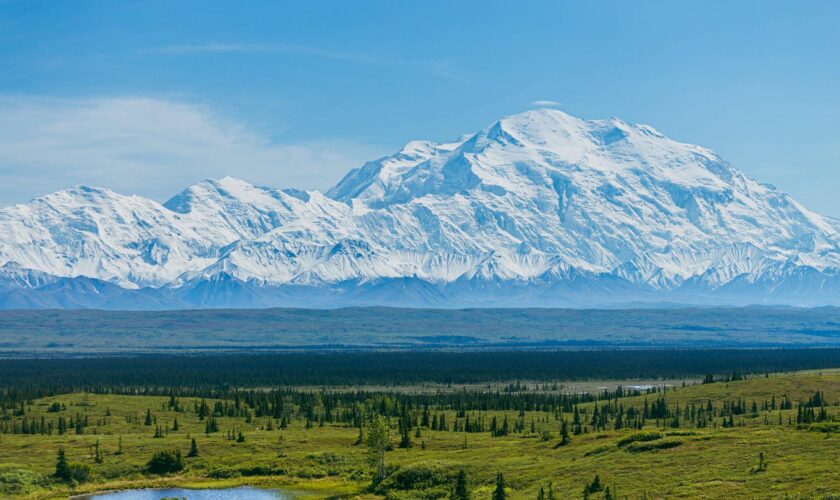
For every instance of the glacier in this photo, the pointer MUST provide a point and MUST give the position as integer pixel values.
(539, 209)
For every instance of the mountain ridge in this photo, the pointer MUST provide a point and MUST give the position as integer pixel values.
(539, 208)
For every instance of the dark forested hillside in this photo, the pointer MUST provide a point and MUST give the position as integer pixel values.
(404, 367)
(88, 331)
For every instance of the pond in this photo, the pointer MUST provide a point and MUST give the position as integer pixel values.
(241, 493)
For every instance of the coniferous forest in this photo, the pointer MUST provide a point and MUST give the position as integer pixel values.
(402, 367)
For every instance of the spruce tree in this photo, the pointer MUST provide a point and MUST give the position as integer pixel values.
(550, 493)
(405, 439)
(499, 493)
(62, 468)
(193, 449)
(564, 435)
(461, 490)
(596, 486)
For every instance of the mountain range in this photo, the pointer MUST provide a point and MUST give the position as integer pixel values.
(537, 209)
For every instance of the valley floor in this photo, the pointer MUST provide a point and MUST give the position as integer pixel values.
(762, 437)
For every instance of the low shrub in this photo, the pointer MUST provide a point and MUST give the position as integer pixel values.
(598, 450)
(681, 433)
(662, 444)
(20, 482)
(427, 494)
(80, 472)
(165, 462)
(640, 437)
(326, 458)
(312, 473)
(419, 477)
(222, 473)
(826, 427)
(264, 469)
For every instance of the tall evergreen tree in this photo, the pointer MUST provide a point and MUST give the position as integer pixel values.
(62, 468)
(499, 493)
(193, 449)
(405, 438)
(596, 486)
(564, 435)
(461, 490)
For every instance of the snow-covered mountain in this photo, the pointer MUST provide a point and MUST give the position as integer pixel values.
(539, 208)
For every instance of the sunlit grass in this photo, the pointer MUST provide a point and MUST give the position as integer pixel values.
(714, 462)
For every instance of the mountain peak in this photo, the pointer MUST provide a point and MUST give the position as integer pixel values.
(82, 195)
(539, 200)
(533, 150)
(549, 127)
(542, 116)
(225, 188)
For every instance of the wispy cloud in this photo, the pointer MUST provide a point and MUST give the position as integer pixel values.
(440, 68)
(546, 104)
(150, 147)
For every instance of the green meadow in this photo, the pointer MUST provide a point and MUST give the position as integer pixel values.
(761, 437)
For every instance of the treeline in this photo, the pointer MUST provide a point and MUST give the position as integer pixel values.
(332, 406)
(469, 411)
(397, 368)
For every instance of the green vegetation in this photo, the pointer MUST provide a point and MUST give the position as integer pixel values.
(165, 462)
(500, 492)
(402, 368)
(461, 490)
(212, 331)
(734, 436)
(661, 444)
(71, 472)
(640, 436)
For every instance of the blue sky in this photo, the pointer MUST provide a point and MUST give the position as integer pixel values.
(147, 97)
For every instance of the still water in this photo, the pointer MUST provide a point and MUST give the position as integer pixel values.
(243, 493)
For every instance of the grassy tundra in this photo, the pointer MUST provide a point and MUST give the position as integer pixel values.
(708, 440)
